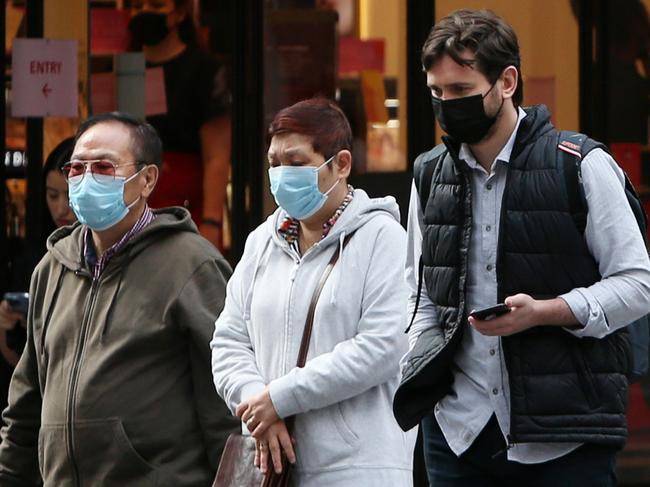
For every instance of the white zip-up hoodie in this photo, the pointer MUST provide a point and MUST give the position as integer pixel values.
(344, 430)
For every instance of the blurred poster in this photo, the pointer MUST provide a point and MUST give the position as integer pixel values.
(355, 55)
(300, 57)
(109, 33)
(374, 96)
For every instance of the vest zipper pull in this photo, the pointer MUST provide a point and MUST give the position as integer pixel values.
(508, 446)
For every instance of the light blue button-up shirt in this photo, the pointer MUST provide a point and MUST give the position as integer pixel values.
(480, 386)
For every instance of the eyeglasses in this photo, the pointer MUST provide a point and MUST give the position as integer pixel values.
(101, 167)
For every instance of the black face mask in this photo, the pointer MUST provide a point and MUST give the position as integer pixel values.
(464, 119)
(148, 28)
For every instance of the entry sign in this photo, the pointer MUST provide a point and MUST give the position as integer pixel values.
(44, 78)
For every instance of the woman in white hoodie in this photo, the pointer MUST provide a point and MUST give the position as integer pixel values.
(344, 433)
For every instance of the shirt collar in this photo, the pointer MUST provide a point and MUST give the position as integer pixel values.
(96, 263)
(289, 226)
(466, 155)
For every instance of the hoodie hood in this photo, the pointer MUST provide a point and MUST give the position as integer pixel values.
(66, 243)
(361, 209)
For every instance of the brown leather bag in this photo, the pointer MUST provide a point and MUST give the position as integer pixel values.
(237, 468)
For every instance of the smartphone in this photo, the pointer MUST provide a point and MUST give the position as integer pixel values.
(18, 301)
(490, 313)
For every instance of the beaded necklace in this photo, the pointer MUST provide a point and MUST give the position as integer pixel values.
(289, 227)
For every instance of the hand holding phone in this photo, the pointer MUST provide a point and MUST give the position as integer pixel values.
(490, 313)
(18, 301)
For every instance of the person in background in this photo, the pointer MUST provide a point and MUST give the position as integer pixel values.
(196, 130)
(56, 213)
(344, 431)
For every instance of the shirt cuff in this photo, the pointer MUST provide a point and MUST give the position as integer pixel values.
(247, 391)
(282, 396)
(588, 312)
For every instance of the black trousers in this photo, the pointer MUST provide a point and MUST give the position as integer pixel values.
(485, 463)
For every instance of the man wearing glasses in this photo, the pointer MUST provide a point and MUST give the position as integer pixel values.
(114, 385)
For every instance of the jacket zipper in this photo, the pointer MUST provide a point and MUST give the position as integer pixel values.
(74, 377)
(285, 347)
(297, 261)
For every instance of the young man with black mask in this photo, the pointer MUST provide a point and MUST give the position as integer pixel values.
(536, 396)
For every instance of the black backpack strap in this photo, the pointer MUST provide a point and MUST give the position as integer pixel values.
(572, 148)
(423, 169)
(570, 151)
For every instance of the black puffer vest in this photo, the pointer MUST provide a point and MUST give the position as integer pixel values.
(562, 388)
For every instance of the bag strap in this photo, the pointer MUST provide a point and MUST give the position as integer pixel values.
(271, 479)
(573, 147)
(309, 322)
(423, 175)
(570, 149)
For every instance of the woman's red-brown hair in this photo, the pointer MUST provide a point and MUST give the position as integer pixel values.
(318, 118)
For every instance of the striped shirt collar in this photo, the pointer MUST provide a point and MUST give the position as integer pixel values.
(99, 264)
(289, 227)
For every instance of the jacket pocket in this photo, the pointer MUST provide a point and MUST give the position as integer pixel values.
(105, 455)
(324, 440)
(343, 427)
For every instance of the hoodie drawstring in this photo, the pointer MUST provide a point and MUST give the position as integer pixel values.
(110, 307)
(336, 275)
(50, 308)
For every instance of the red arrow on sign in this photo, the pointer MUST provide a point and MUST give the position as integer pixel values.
(46, 90)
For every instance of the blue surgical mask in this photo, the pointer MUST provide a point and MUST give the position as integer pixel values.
(295, 189)
(98, 200)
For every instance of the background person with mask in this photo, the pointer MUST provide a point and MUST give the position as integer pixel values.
(56, 213)
(536, 396)
(113, 387)
(195, 131)
(344, 431)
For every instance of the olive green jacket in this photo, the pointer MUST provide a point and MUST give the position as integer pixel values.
(114, 386)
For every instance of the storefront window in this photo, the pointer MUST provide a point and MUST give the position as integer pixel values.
(621, 69)
(15, 138)
(182, 88)
(168, 61)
